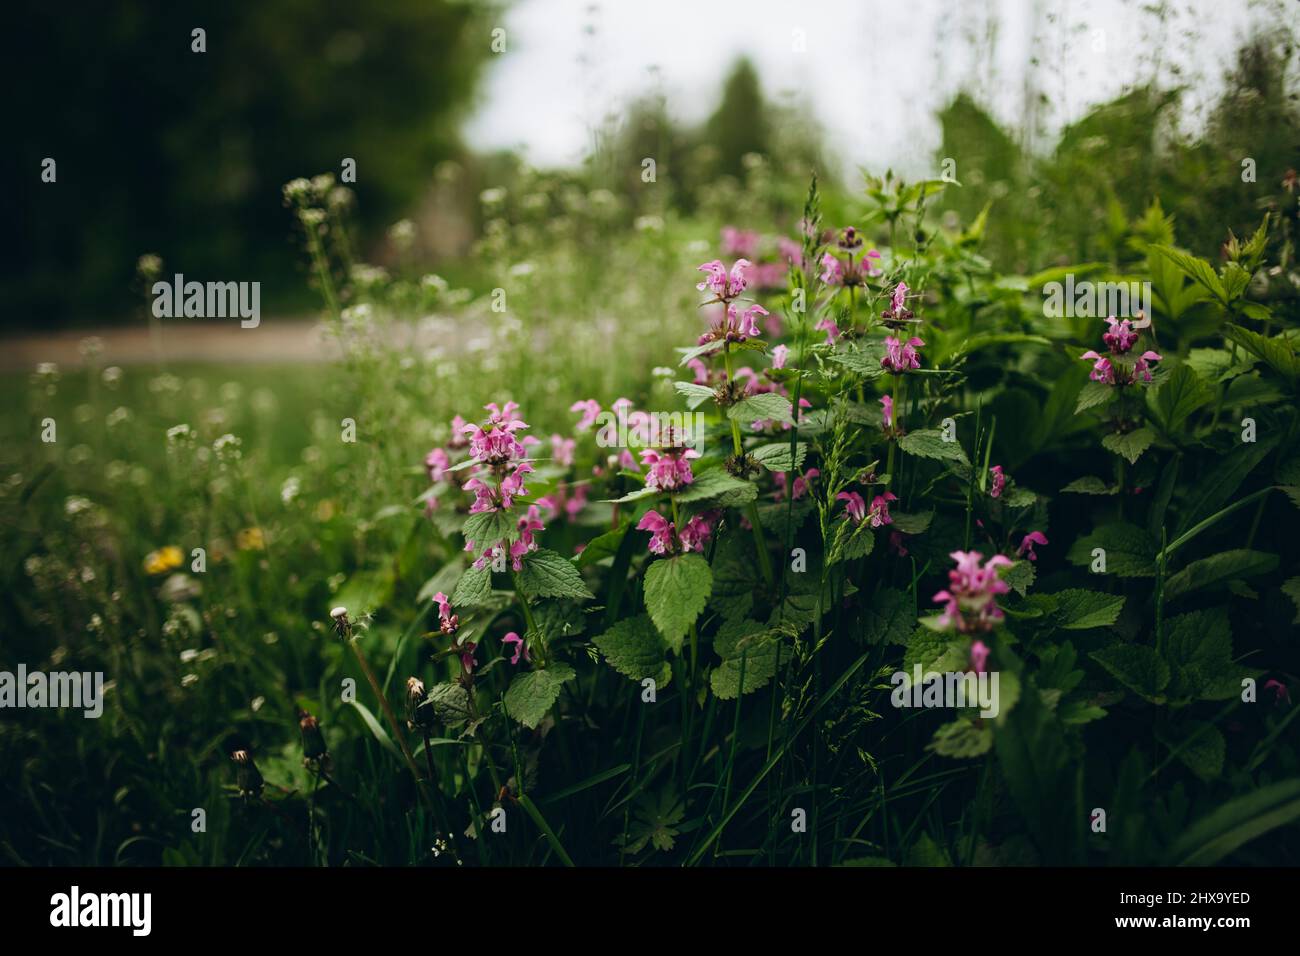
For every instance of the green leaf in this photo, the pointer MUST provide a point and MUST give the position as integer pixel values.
(1218, 568)
(1020, 576)
(1093, 394)
(1130, 551)
(695, 395)
(963, 738)
(376, 730)
(907, 523)
(676, 590)
(533, 693)
(747, 640)
(1236, 823)
(449, 703)
(1089, 485)
(1182, 393)
(1137, 667)
(1078, 609)
(768, 406)
(776, 456)
(888, 618)
(474, 589)
(549, 574)
(602, 546)
(1201, 750)
(1277, 352)
(929, 443)
(719, 487)
(1129, 445)
(1198, 270)
(1210, 492)
(633, 648)
(863, 362)
(488, 527)
(851, 541)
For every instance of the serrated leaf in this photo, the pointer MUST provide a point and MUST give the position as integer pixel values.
(695, 395)
(1130, 551)
(888, 618)
(962, 739)
(749, 642)
(1020, 576)
(488, 527)
(474, 589)
(1182, 393)
(676, 590)
(851, 541)
(917, 523)
(776, 456)
(1198, 270)
(1078, 609)
(633, 648)
(717, 486)
(1089, 486)
(929, 443)
(1129, 445)
(532, 694)
(1136, 666)
(1277, 352)
(449, 703)
(1093, 394)
(767, 406)
(549, 574)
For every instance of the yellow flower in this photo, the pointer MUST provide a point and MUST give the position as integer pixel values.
(324, 510)
(164, 560)
(250, 539)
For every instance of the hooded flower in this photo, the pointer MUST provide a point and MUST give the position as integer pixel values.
(725, 286)
(520, 647)
(970, 600)
(999, 482)
(590, 409)
(979, 655)
(887, 413)
(448, 623)
(855, 508)
(1026, 548)
(879, 513)
(900, 356)
(668, 469)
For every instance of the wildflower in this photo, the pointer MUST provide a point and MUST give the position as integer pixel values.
(562, 450)
(723, 285)
(520, 646)
(1281, 693)
(247, 777)
(1026, 548)
(448, 623)
(494, 442)
(898, 543)
(999, 482)
(695, 535)
(900, 357)
(664, 538)
(436, 463)
(669, 469)
(979, 655)
(1120, 338)
(250, 539)
(898, 299)
(661, 532)
(467, 656)
(527, 524)
(887, 413)
(739, 242)
(734, 326)
(970, 600)
(163, 561)
(590, 409)
(801, 484)
(855, 508)
(827, 325)
(313, 741)
(779, 355)
(416, 714)
(879, 513)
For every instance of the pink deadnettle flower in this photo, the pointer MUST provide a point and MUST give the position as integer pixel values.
(668, 469)
(739, 242)
(1121, 336)
(1281, 693)
(855, 508)
(436, 464)
(802, 484)
(1026, 548)
(734, 326)
(590, 409)
(562, 450)
(661, 532)
(664, 538)
(457, 439)
(879, 513)
(448, 622)
(979, 655)
(832, 330)
(899, 356)
(970, 600)
(467, 656)
(887, 413)
(779, 355)
(494, 442)
(725, 286)
(899, 297)
(520, 647)
(999, 482)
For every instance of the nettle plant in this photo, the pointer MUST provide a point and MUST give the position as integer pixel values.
(894, 468)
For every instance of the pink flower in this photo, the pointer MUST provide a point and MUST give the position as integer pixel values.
(1121, 336)
(562, 450)
(494, 442)
(528, 525)
(1141, 368)
(832, 270)
(467, 656)
(899, 298)
(801, 484)
(739, 242)
(970, 601)
(695, 535)
(590, 409)
(1027, 544)
(520, 647)
(779, 355)
(668, 470)
(879, 513)
(856, 508)
(900, 357)
(832, 330)
(999, 481)
(575, 502)
(1102, 371)
(448, 622)
(898, 543)
(979, 655)
(436, 464)
(457, 439)
(789, 250)
(701, 371)
(661, 532)
(725, 287)
(1281, 693)
(512, 486)
(887, 414)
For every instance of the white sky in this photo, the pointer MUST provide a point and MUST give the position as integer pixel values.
(875, 70)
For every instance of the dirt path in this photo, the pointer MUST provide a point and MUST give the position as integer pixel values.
(280, 341)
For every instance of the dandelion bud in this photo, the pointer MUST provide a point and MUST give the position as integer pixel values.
(247, 777)
(313, 741)
(415, 696)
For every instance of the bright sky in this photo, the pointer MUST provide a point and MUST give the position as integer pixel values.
(875, 70)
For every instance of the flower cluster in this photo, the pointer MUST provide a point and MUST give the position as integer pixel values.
(1115, 368)
(970, 600)
(849, 271)
(734, 325)
(725, 285)
(665, 539)
(855, 508)
(901, 356)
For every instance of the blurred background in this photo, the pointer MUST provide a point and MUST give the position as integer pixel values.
(1067, 117)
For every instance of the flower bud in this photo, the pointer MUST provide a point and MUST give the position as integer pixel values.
(247, 777)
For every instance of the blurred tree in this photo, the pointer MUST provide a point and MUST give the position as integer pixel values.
(740, 124)
(163, 149)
